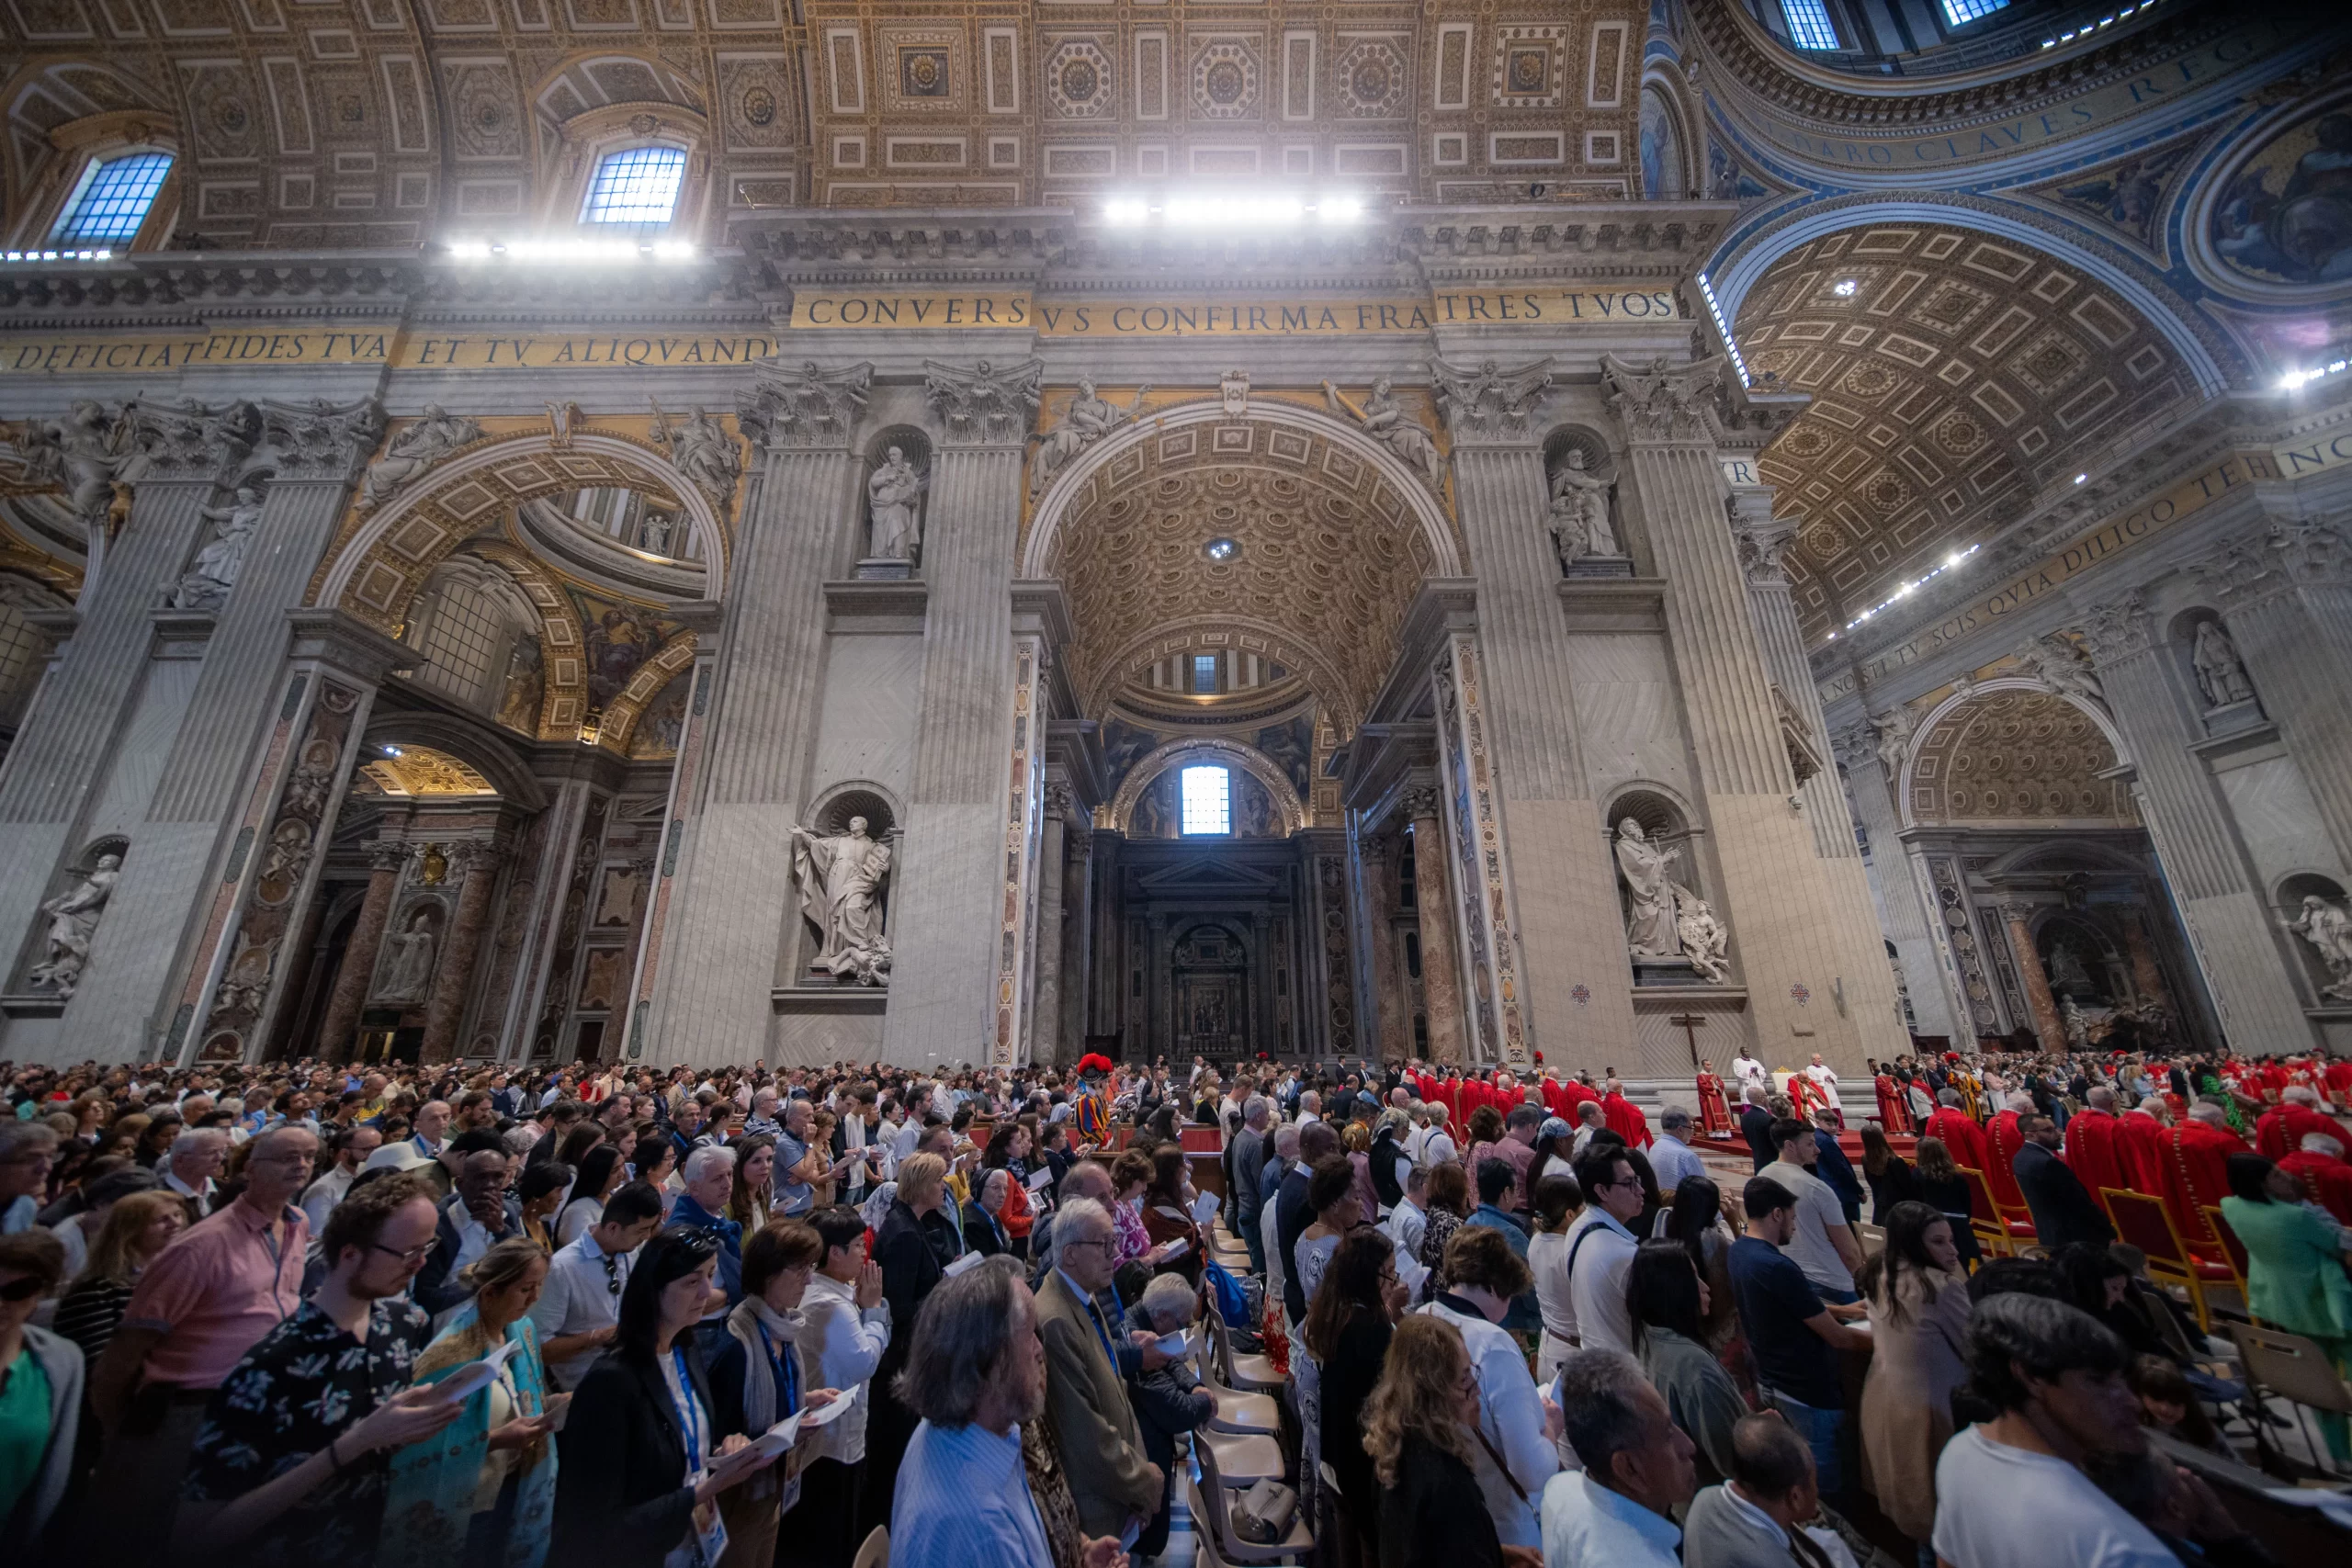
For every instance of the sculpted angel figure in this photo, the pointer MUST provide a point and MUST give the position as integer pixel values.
(2329, 931)
(1581, 522)
(436, 433)
(1704, 939)
(1384, 420)
(1090, 419)
(893, 494)
(72, 919)
(82, 454)
(206, 583)
(702, 450)
(2063, 667)
(1650, 931)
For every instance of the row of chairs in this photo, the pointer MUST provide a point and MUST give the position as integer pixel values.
(1242, 1443)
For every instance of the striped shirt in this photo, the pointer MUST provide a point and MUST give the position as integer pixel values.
(963, 1502)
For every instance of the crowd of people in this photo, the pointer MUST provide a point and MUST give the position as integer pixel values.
(298, 1312)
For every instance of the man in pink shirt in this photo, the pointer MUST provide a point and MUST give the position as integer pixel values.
(203, 1302)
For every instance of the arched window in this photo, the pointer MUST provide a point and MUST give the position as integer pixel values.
(112, 199)
(637, 186)
(1207, 799)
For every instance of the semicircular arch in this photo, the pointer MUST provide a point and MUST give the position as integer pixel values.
(622, 713)
(462, 739)
(2015, 752)
(1147, 771)
(385, 556)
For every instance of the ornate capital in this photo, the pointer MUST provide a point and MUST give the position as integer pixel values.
(475, 858)
(387, 854)
(2316, 553)
(320, 440)
(1490, 403)
(987, 405)
(189, 441)
(1762, 542)
(1422, 804)
(2118, 628)
(2290, 555)
(1060, 800)
(2016, 911)
(1663, 403)
(804, 407)
(1855, 744)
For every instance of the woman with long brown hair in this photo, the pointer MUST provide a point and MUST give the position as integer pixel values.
(137, 1227)
(1448, 1206)
(1941, 1186)
(1349, 1323)
(1417, 1431)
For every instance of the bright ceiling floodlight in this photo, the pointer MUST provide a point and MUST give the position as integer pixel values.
(2082, 478)
(1845, 290)
(1339, 210)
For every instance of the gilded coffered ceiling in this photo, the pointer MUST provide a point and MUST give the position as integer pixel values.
(383, 123)
(1324, 558)
(1953, 375)
(2014, 757)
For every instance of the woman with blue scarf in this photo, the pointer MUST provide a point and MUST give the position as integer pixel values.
(481, 1494)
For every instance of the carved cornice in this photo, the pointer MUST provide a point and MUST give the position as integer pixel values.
(2289, 554)
(1489, 404)
(2118, 628)
(804, 407)
(189, 441)
(1660, 402)
(320, 440)
(987, 405)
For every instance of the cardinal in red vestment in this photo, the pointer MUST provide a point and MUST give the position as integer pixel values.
(2197, 1175)
(1624, 1118)
(2003, 1140)
(2326, 1180)
(1714, 1110)
(1894, 1116)
(1962, 1138)
(2094, 1152)
(2279, 1132)
(2140, 1150)
(2339, 1079)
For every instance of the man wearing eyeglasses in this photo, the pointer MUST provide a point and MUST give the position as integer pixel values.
(1602, 1249)
(202, 1302)
(580, 1303)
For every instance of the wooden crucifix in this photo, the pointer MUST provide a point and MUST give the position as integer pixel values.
(1691, 1024)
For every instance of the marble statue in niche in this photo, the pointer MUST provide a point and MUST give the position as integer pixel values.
(73, 920)
(209, 578)
(1650, 927)
(840, 877)
(1383, 419)
(1090, 419)
(2329, 931)
(1579, 514)
(408, 962)
(435, 434)
(893, 497)
(525, 687)
(1704, 939)
(2221, 674)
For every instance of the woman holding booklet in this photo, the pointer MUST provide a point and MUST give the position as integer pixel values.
(755, 1383)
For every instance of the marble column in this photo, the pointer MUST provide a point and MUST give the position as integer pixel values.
(2246, 975)
(444, 1009)
(1391, 1024)
(311, 454)
(1440, 960)
(1907, 914)
(2147, 977)
(947, 992)
(1262, 984)
(385, 859)
(1077, 949)
(1761, 540)
(67, 781)
(2286, 603)
(1562, 895)
(1044, 1019)
(1790, 942)
(732, 910)
(2043, 1005)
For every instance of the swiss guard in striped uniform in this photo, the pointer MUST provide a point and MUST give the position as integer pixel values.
(1090, 1107)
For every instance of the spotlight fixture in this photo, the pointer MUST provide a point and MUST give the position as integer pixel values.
(2293, 378)
(1221, 549)
(57, 256)
(1274, 210)
(1904, 591)
(570, 253)
(1846, 289)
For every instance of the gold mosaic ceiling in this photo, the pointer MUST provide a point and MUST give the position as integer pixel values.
(1953, 375)
(1329, 556)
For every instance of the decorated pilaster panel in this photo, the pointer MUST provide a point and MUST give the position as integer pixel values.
(1436, 876)
(947, 983)
(726, 909)
(685, 781)
(1044, 1019)
(1480, 870)
(1907, 909)
(236, 981)
(386, 857)
(1332, 985)
(2287, 598)
(2246, 975)
(1018, 842)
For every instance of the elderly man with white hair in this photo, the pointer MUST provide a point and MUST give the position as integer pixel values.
(2318, 1167)
(709, 1176)
(1672, 1159)
(197, 1156)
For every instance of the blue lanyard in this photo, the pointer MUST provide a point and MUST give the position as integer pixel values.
(685, 1415)
(788, 1375)
(1094, 1315)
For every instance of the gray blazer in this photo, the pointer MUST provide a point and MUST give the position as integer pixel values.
(60, 1360)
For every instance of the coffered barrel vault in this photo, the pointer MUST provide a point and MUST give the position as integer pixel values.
(622, 529)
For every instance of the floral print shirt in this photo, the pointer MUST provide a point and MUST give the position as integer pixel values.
(305, 1384)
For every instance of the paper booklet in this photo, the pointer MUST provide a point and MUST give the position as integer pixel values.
(475, 1376)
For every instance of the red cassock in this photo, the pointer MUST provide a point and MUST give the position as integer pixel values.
(2003, 1138)
(2197, 1175)
(1803, 1095)
(2094, 1153)
(1556, 1098)
(1714, 1111)
(1894, 1116)
(2338, 1077)
(1625, 1118)
(2326, 1182)
(2140, 1150)
(2279, 1132)
(1964, 1137)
